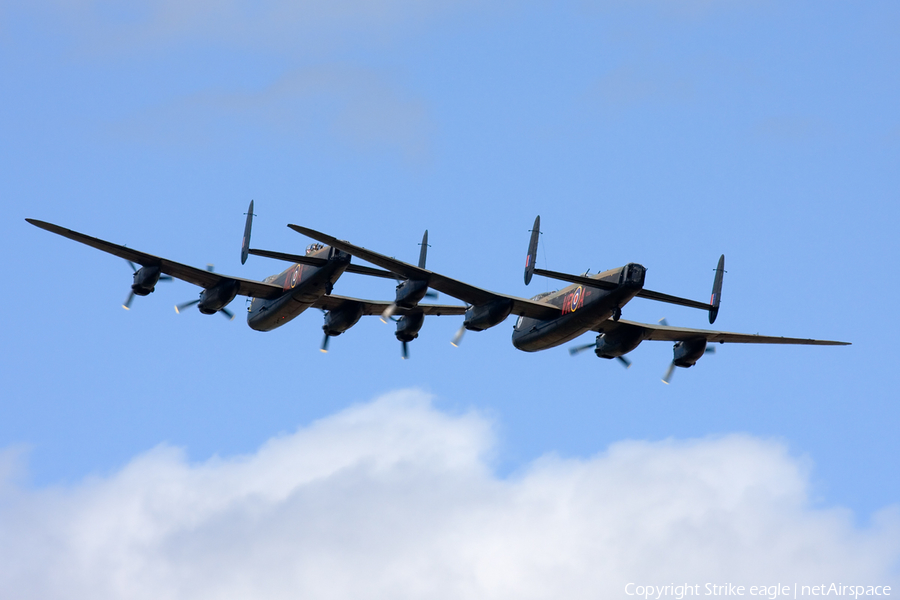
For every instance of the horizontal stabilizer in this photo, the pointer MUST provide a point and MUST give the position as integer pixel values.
(607, 285)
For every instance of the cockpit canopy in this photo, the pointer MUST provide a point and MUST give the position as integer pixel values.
(312, 248)
(543, 295)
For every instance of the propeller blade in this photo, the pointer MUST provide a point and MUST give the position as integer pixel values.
(624, 361)
(324, 348)
(210, 267)
(578, 349)
(127, 304)
(388, 313)
(457, 338)
(663, 322)
(227, 313)
(133, 266)
(431, 294)
(668, 376)
(166, 278)
(710, 350)
(405, 351)
(181, 307)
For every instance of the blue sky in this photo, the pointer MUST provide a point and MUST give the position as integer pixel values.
(664, 133)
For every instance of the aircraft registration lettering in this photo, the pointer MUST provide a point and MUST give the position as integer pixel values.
(573, 301)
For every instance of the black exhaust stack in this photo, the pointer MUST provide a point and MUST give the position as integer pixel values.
(716, 291)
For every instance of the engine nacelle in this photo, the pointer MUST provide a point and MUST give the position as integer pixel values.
(688, 352)
(619, 342)
(145, 280)
(214, 299)
(484, 316)
(410, 292)
(340, 320)
(408, 326)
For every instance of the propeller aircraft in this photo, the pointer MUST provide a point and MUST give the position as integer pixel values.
(279, 298)
(591, 303)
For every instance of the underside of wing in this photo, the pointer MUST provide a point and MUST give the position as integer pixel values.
(452, 287)
(676, 334)
(377, 307)
(200, 277)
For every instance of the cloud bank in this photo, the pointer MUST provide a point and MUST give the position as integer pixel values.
(396, 499)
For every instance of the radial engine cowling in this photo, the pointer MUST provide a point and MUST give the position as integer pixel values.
(408, 326)
(688, 352)
(214, 299)
(145, 280)
(617, 343)
(340, 320)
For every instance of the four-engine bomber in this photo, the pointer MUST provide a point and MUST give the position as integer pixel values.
(590, 303)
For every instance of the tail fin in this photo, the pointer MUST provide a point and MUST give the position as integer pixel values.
(716, 290)
(245, 243)
(532, 250)
(423, 252)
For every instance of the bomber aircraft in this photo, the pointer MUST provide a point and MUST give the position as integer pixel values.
(279, 298)
(592, 303)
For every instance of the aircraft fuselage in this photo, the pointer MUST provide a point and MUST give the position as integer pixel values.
(583, 308)
(303, 285)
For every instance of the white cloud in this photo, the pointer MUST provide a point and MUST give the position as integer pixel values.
(396, 499)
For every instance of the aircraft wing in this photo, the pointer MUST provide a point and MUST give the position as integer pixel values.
(201, 277)
(453, 287)
(676, 334)
(377, 307)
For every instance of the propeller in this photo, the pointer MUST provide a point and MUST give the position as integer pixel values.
(405, 350)
(457, 338)
(671, 370)
(388, 312)
(127, 304)
(184, 305)
(392, 308)
(579, 349)
(324, 348)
